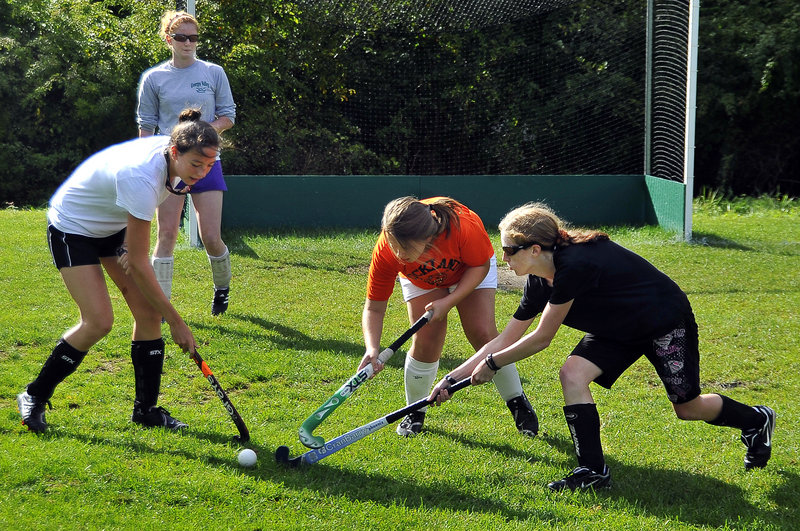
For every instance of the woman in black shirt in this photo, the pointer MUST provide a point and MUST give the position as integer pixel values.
(627, 308)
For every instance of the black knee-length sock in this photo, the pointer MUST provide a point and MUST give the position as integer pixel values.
(62, 362)
(148, 361)
(584, 426)
(737, 415)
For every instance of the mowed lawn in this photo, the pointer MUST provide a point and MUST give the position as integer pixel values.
(292, 336)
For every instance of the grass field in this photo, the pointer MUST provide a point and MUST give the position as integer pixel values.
(292, 336)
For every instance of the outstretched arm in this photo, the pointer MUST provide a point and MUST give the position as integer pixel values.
(137, 264)
(538, 340)
(509, 347)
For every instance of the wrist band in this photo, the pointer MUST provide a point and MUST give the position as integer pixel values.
(491, 363)
(450, 379)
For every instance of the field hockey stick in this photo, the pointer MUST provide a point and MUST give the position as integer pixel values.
(349, 387)
(342, 441)
(244, 433)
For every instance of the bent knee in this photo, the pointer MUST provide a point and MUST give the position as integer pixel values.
(98, 326)
(568, 376)
(685, 411)
(479, 339)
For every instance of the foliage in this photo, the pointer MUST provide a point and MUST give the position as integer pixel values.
(336, 87)
(70, 68)
(748, 141)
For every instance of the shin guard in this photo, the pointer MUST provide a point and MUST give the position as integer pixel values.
(221, 269)
(584, 426)
(62, 362)
(148, 362)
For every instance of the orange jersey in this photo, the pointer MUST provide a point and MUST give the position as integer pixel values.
(468, 245)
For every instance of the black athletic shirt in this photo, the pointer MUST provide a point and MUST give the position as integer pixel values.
(617, 294)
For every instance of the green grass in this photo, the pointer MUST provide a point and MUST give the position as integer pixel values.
(292, 336)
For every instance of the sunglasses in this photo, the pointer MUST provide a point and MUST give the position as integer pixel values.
(180, 188)
(181, 37)
(511, 250)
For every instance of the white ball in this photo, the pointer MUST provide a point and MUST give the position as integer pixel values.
(247, 457)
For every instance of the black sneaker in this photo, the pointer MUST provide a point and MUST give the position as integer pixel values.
(32, 411)
(759, 440)
(583, 478)
(220, 302)
(524, 416)
(412, 424)
(157, 417)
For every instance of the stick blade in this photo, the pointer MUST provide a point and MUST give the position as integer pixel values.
(282, 457)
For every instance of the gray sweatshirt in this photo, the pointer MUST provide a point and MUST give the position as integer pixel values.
(164, 91)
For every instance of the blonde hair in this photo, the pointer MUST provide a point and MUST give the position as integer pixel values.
(538, 223)
(407, 219)
(172, 19)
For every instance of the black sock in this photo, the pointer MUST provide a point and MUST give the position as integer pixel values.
(737, 415)
(584, 426)
(61, 363)
(148, 361)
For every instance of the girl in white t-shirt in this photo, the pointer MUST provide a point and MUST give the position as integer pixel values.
(99, 219)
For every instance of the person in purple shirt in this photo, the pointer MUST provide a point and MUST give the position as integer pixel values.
(164, 91)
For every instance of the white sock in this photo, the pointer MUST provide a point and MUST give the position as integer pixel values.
(221, 269)
(507, 382)
(163, 268)
(419, 378)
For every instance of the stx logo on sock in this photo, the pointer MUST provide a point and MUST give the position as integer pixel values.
(68, 359)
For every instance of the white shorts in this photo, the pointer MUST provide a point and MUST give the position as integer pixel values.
(410, 291)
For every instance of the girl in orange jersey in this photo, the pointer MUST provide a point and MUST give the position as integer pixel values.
(440, 250)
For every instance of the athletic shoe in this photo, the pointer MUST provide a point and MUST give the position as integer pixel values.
(412, 424)
(32, 411)
(524, 416)
(759, 440)
(220, 302)
(157, 417)
(583, 478)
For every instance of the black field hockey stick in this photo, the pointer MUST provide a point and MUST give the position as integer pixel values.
(244, 433)
(349, 387)
(336, 444)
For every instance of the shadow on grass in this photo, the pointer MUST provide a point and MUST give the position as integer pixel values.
(284, 336)
(672, 495)
(561, 444)
(700, 500)
(707, 239)
(666, 494)
(238, 246)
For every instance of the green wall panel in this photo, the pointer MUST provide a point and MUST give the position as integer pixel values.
(262, 201)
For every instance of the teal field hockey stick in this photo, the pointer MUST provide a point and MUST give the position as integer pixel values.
(350, 386)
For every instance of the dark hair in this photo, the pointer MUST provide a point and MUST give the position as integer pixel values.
(193, 133)
(408, 219)
(536, 222)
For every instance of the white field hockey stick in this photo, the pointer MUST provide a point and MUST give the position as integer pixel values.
(342, 441)
(349, 387)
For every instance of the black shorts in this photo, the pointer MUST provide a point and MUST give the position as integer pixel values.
(675, 356)
(70, 250)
